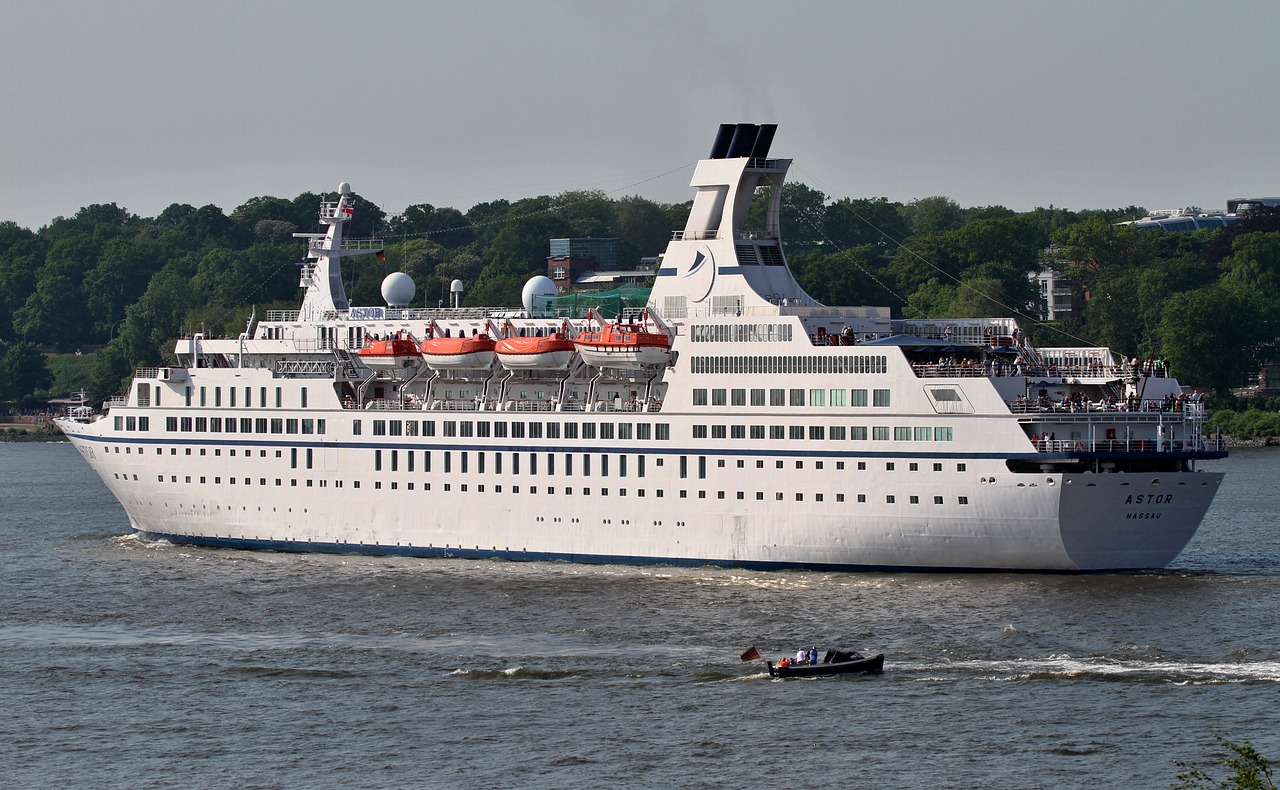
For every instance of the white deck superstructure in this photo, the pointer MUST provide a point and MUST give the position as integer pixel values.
(782, 433)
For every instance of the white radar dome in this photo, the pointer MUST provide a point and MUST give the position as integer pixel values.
(539, 296)
(456, 287)
(398, 289)
(344, 188)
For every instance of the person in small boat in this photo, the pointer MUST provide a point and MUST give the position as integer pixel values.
(813, 655)
(801, 656)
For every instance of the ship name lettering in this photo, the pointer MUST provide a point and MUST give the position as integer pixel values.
(1148, 499)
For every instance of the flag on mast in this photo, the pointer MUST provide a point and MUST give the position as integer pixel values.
(751, 655)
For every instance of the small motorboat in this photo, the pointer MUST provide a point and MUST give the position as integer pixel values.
(835, 663)
(626, 346)
(458, 353)
(553, 352)
(390, 353)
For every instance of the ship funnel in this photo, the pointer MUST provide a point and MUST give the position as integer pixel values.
(764, 139)
(744, 137)
(720, 148)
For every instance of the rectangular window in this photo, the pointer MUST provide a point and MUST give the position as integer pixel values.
(450, 428)
(291, 426)
(202, 424)
(308, 426)
(880, 398)
(571, 430)
(535, 430)
(465, 428)
(304, 397)
(857, 397)
(395, 427)
(606, 430)
(379, 427)
(428, 428)
(699, 396)
(777, 397)
(797, 397)
(277, 425)
(777, 431)
(355, 427)
(901, 434)
(923, 434)
(942, 434)
(837, 397)
(817, 397)
(699, 431)
(718, 432)
(624, 430)
(816, 432)
(718, 397)
(588, 430)
(837, 433)
(662, 431)
(797, 432)
(279, 398)
(217, 396)
(738, 397)
(738, 431)
(757, 397)
(880, 433)
(757, 431)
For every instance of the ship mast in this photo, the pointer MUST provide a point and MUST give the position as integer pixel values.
(322, 266)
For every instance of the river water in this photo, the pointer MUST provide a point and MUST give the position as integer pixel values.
(125, 663)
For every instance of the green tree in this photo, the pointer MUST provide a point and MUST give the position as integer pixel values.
(932, 214)
(23, 371)
(1201, 347)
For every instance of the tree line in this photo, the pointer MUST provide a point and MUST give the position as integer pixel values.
(124, 286)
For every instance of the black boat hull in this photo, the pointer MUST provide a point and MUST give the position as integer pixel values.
(859, 666)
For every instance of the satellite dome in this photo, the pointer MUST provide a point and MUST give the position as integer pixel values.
(538, 296)
(456, 287)
(344, 188)
(398, 289)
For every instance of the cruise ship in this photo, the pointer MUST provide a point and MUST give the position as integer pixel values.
(734, 421)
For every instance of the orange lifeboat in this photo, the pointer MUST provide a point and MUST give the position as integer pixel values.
(393, 353)
(458, 353)
(625, 346)
(553, 352)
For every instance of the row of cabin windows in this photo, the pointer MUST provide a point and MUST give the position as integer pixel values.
(835, 433)
(761, 365)
(132, 423)
(889, 466)
(549, 490)
(740, 333)
(243, 425)
(461, 462)
(500, 429)
(791, 397)
(206, 397)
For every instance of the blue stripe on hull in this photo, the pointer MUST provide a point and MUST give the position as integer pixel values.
(302, 546)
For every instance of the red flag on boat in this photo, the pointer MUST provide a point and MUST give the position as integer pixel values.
(751, 655)
(381, 255)
(347, 209)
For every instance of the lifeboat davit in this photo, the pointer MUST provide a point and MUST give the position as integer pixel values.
(553, 352)
(396, 353)
(625, 346)
(458, 353)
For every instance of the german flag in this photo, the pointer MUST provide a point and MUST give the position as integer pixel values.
(751, 655)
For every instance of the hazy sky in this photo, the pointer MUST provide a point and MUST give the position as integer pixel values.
(1023, 104)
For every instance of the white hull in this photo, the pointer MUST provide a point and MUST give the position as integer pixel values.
(1063, 522)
